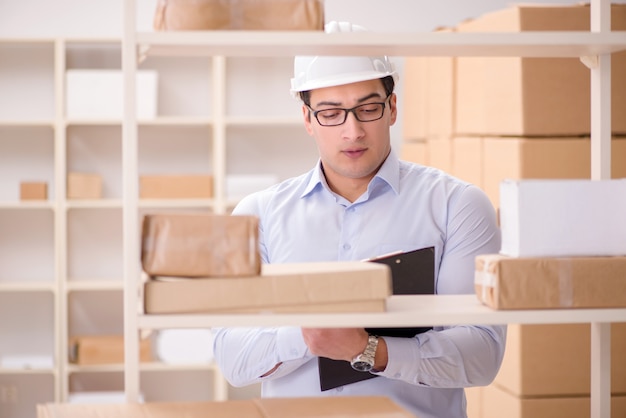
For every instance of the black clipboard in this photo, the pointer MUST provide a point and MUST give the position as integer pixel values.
(412, 273)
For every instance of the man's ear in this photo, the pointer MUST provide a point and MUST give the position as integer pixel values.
(307, 117)
(393, 101)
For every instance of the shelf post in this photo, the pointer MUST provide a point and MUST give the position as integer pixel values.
(130, 205)
(601, 170)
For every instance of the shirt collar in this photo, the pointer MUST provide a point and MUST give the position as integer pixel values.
(389, 173)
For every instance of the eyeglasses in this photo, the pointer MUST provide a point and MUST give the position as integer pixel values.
(368, 112)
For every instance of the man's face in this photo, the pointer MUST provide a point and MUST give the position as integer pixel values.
(353, 150)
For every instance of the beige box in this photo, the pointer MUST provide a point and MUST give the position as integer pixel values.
(467, 159)
(496, 401)
(415, 151)
(554, 360)
(176, 187)
(524, 96)
(350, 286)
(84, 186)
(199, 245)
(239, 14)
(542, 158)
(336, 406)
(33, 190)
(104, 349)
(440, 153)
(415, 98)
(503, 282)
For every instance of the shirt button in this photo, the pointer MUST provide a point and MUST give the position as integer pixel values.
(397, 375)
(340, 389)
(346, 246)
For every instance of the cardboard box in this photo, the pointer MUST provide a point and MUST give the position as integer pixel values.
(33, 190)
(496, 400)
(200, 245)
(199, 186)
(554, 360)
(315, 407)
(542, 158)
(239, 14)
(561, 218)
(415, 152)
(467, 159)
(84, 186)
(415, 98)
(546, 283)
(348, 286)
(99, 94)
(524, 96)
(440, 153)
(104, 349)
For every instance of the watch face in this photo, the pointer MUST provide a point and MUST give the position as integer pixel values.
(362, 366)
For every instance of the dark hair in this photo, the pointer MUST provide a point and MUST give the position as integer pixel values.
(388, 84)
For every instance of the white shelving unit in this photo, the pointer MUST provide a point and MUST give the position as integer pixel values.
(595, 46)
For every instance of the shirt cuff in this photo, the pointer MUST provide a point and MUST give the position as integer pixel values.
(400, 353)
(290, 344)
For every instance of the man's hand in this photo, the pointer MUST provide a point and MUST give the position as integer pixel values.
(335, 343)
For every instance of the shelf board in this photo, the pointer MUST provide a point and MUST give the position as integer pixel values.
(30, 286)
(402, 311)
(147, 367)
(11, 371)
(159, 121)
(175, 203)
(33, 123)
(94, 285)
(27, 204)
(93, 203)
(281, 43)
(272, 121)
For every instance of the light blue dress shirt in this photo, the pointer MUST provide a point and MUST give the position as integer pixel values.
(406, 207)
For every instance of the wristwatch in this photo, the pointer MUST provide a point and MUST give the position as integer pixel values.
(364, 362)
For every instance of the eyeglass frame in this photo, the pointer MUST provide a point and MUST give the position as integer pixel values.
(351, 110)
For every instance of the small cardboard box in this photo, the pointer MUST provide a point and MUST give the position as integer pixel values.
(503, 282)
(415, 151)
(348, 286)
(495, 400)
(33, 190)
(563, 218)
(314, 407)
(99, 94)
(200, 245)
(555, 360)
(84, 186)
(104, 349)
(199, 186)
(239, 15)
(533, 96)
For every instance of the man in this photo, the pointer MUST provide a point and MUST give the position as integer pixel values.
(361, 201)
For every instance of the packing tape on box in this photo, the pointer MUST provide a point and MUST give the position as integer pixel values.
(566, 283)
(485, 274)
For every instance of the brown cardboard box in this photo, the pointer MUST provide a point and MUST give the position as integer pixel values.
(440, 153)
(104, 349)
(33, 190)
(340, 406)
(84, 186)
(533, 96)
(350, 286)
(554, 360)
(176, 187)
(474, 399)
(415, 151)
(239, 14)
(467, 159)
(542, 158)
(200, 245)
(429, 93)
(498, 403)
(503, 282)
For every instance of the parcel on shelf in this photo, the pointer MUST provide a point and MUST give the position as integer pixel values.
(200, 245)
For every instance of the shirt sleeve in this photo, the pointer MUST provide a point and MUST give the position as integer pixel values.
(459, 356)
(245, 354)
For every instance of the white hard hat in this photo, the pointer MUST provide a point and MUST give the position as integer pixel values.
(314, 72)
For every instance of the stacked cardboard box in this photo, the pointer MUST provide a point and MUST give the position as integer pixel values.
(486, 119)
(203, 263)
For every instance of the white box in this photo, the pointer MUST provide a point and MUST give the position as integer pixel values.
(99, 94)
(563, 218)
(239, 186)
